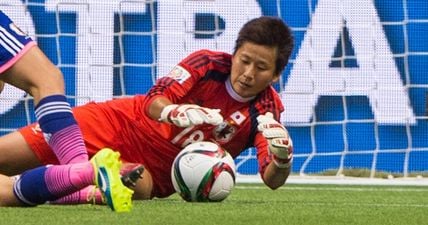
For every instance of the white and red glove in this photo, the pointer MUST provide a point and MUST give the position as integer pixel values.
(188, 115)
(280, 144)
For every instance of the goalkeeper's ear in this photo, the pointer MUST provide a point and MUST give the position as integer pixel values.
(275, 79)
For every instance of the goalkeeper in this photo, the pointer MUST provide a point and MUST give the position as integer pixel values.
(208, 96)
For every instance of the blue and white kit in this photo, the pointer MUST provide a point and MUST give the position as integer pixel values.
(13, 42)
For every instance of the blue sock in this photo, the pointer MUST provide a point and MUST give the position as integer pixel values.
(60, 129)
(31, 188)
(52, 109)
(48, 183)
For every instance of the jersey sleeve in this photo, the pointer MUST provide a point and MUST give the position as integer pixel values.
(186, 74)
(269, 102)
(263, 156)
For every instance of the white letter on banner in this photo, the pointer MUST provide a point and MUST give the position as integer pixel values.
(377, 76)
(17, 11)
(95, 43)
(176, 26)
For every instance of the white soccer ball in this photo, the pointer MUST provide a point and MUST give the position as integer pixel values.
(203, 172)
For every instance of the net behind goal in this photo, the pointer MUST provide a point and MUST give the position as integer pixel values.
(355, 90)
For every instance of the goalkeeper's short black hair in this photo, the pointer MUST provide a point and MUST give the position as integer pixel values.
(268, 31)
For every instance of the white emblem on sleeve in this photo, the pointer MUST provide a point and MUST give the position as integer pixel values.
(179, 74)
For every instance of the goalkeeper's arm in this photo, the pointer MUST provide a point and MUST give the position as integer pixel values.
(280, 147)
(183, 115)
(156, 106)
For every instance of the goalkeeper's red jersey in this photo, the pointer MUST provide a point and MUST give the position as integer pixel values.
(203, 79)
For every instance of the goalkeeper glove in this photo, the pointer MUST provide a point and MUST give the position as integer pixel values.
(280, 144)
(187, 115)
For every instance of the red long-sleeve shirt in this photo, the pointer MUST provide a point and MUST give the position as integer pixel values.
(124, 125)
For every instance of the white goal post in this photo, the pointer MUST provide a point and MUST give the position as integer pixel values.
(355, 90)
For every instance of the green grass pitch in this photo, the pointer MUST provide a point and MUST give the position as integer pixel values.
(252, 204)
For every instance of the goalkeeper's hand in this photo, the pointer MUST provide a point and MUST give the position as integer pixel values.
(280, 144)
(188, 114)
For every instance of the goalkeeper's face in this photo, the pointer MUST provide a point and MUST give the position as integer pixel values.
(253, 69)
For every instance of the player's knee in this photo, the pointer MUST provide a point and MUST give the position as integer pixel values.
(16, 156)
(7, 197)
(144, 187)
(53, 85)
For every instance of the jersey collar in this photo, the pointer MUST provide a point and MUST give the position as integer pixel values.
(235, 95)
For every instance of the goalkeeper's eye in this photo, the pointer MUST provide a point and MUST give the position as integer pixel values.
(246, 62)
(262, 68)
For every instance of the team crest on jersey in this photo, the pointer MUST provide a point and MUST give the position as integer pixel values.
(238, 117)
(179, 74)
(17, 30)
(224, 132)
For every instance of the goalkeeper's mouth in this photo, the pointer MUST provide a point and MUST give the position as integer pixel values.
(244, 85)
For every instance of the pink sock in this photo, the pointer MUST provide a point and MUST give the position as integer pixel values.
(60, 129)
(87, 195)
(62, 180)
(68, 145)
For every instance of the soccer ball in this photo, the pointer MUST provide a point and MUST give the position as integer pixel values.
(203, 172)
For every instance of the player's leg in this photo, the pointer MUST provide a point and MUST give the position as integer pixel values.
(16, 155)
(48, 183)
(28, 68)
(88, 195)
(144, 187)
(27, 148)
(44, 183)
(35, 74)
(131, 173)
(7, 197)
